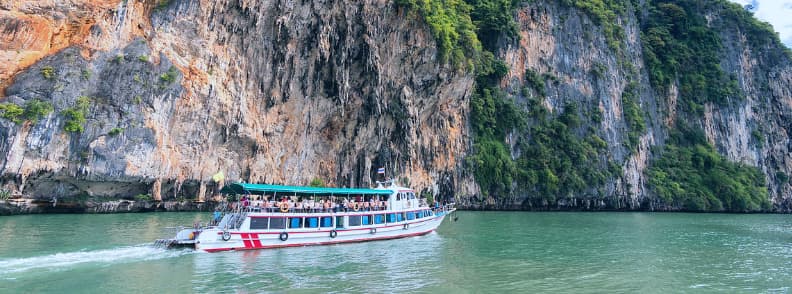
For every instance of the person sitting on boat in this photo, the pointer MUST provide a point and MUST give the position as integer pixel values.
(216, 217)
(366, 206)
(346, 204)
(326, 205)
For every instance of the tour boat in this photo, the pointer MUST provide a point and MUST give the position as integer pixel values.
(275, 216)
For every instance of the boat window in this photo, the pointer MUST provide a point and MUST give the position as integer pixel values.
(399, 217)
(339, 222)
(295, 222)
(392, 218)
(277, 223)
(258, 223)
(311, 222)
(412, 195)
(410, 215)
(366, 220)
(327, 222)
(354, 220)
(379, 219)
(419, 214)
(398, 196)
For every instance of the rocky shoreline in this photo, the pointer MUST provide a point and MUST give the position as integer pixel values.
(34, 206)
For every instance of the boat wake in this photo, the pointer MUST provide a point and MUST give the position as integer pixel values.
(60, 261)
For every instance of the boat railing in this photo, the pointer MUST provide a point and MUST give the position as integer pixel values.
(339, 209)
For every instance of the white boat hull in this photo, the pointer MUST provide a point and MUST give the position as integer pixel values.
(211, 240)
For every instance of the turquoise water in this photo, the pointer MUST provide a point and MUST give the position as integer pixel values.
(481, 252)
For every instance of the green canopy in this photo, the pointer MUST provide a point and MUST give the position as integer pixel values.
(259, 189)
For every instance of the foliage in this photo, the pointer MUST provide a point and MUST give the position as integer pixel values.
(75, 115)
(143, 58)
(170, 76)
(493, 19)
(33, 111)
(86, 74)
(536, 82)
(692, 175)
(429, 197)
(632, 116)
(115, 131)
(5, 194)
(493, 116)
(679, 45)
(759, 33)
(119, 58)
(143, 197)
(604, 13)
(451, 26)
(317, 182)
(48, 72)
(11, 111)
(37, 109)
(162, 4)
(556, 161)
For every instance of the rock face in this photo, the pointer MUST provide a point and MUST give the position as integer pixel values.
(276, 92)
(285, 91)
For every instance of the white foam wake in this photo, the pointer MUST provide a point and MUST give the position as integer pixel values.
(59, 261)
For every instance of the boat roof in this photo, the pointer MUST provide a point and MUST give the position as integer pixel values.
(259, 189)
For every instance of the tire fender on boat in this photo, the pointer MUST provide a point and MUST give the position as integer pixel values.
(406, 226)
(333, 234)
(373, 231)
(226, 235)
(284, 236)
(284, 207)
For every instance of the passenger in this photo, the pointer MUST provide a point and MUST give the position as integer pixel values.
(366, 206)
(216, 218)
(326, 205)
(346, 204)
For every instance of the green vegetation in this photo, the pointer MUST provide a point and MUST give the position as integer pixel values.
(86, 74)
(556, 162)
(759, 33)
(11, 112)
(119, 58)
(143, 197)
(5, 194)
(692, 175)
(535, 81)
(143, 58)
(37, 109)
(679, 45)
(604, 13)
(170, 76)
(33, 111)
(75, 115)
(317, 182)
(115, 131)
(162, 4)
(48, 72)
(451, 26)
(632, 116)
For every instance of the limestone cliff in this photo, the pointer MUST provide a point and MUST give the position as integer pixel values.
(264, 91)
(285, 91)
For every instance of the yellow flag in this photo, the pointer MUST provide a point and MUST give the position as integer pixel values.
(219, 176)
